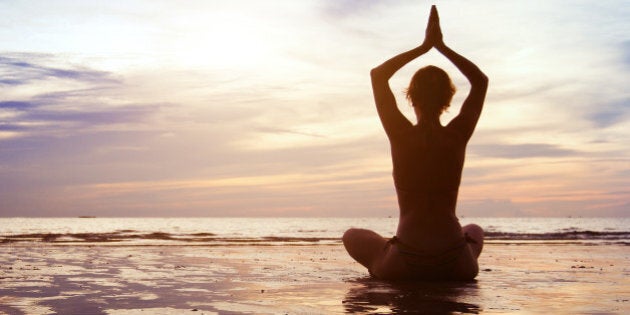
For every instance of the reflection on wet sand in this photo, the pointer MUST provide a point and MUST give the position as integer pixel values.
(315, 279)
(378, 297)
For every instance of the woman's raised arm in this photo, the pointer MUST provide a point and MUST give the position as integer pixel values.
(392, 119)
(468, 116)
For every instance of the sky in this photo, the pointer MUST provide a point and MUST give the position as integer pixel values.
(264, 108)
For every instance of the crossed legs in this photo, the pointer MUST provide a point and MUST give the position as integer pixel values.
(474, 232)
(383, 261)
(365, 246)
(373, 252)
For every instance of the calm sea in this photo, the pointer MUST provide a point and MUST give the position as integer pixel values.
(278, 231)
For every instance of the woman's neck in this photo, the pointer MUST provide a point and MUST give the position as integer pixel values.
(428, 120)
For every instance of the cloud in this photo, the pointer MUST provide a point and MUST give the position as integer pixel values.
(11, 82)
(520, 151)
(90, 117)
(22, 68)
(13, 127)
(610, 114)
(39, 119)
(625, 53)
(17, 105)
(60, 106)
(280, 131)
(345, 8)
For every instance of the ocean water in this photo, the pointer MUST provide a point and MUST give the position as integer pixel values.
(278, 231)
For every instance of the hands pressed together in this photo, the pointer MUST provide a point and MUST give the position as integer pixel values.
(433, 34)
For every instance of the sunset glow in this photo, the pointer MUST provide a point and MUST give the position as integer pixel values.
(248, 108)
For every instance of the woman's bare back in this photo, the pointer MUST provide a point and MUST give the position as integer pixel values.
(428, 162)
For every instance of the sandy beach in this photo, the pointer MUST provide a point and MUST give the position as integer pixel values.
(308, 279)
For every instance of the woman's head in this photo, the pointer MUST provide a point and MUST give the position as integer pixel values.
(431, 90)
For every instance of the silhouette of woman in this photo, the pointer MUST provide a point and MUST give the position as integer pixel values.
(428, 159)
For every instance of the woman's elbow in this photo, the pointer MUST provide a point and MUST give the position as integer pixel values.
(378, 75)
(485, 79)
(482, 81)
(375, 73)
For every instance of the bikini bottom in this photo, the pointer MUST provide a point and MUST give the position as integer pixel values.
(430, 265)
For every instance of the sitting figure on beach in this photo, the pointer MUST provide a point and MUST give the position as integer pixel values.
(428, 159)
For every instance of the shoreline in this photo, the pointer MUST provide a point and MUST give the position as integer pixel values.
(297, 279)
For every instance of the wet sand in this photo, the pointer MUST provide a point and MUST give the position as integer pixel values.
(308, 279)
